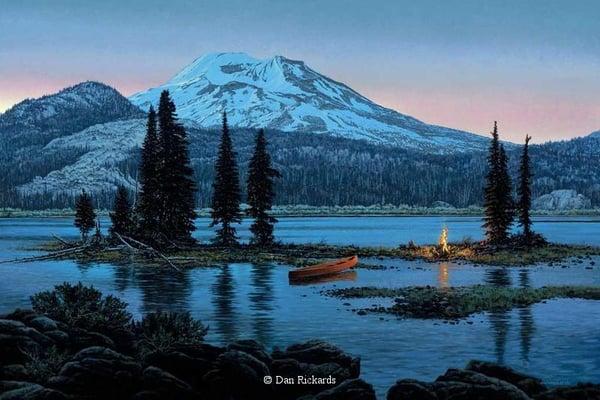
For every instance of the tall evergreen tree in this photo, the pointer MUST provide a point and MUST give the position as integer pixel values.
(148, 207)
(505, 193)
(261, 192)
(226, 191)
(177, 187)
(497, 193)
(524, 192)
(85, 217)
(121, 214)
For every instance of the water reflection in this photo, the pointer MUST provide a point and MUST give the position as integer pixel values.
(339, 277)
(443, 275)
(261, 302)
(526, 322)
(161, 289)
(223, 294)
(499, 320)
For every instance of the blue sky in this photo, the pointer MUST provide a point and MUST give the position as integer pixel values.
(532, 65)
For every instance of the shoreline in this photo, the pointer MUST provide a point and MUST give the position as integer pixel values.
(300, 211)
(299, 255)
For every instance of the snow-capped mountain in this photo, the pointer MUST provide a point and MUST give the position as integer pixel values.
(287, 95)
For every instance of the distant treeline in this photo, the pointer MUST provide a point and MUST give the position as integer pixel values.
(321, 170)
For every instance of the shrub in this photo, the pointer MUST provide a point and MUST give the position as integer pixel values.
(41, 366)
(83, 307)
(162, 331)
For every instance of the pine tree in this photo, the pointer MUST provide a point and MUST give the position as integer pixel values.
(524, 192)
(261, 192)
(177, 187)
(148, 207)
(505, 194)
(498, 202)
(121, 214)
(85, 217)
(226, 191)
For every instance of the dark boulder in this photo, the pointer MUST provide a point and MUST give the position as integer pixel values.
(184, 367)
(20, 314)
(14, 372)
(526, 383)
(242, 368)
(215, 384)
(410, 389)
(98, 372)
(147, 395)
(238, 375)
(200, 350)
(15, 390)
(582, 391)
(61, 338)
(165, 384)
(253, 348)
(353, 389)
(42, 323)
(289, 368)
(458, 383)
(82, 339)
(18, 341)
(320, 352)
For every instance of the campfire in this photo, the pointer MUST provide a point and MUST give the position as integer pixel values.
(443, 242)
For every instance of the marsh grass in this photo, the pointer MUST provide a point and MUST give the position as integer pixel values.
(460, 302)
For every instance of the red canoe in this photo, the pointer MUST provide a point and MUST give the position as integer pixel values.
(327, 268)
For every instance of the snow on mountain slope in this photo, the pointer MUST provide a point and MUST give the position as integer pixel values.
(97, 169)
(287, 95)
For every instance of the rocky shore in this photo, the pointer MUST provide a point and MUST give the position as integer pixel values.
(86, 346)
(45, 359)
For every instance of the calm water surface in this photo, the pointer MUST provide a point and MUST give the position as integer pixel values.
(558, 341)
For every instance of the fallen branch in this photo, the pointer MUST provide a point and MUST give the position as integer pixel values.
(56, 254)
(149, 249)
(124, 242)
(63, 241)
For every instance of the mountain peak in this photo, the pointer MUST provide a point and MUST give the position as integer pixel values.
(284, 94)
(95, 100)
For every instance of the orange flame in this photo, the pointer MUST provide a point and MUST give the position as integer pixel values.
(443, 242)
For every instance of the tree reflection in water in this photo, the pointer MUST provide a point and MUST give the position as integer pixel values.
(526, 322)
(499, 320)
(162, 289)
(261, 302)
(223, 301)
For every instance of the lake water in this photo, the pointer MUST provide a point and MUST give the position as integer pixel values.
(558, 340)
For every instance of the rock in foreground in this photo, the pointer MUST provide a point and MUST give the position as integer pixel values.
(482, 380)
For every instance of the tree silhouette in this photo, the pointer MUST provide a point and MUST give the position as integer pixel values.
(498, 201)
(226, 191)
(177, 187)
(261, 192)
(148, 207)
(85, 217)
(121, 214)
(524, 192)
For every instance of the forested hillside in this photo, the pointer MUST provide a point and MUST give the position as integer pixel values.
(324, 170)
